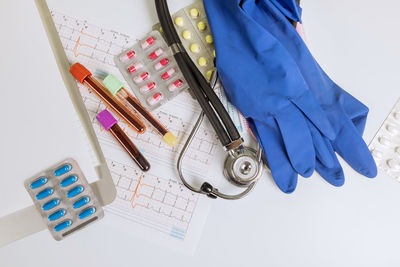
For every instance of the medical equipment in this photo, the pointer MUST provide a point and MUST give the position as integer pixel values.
(116, 87)
(84, 76)
(244, 165)
(64, 198)
(346, 114)
(385, 146)
(110, 124)
(151, 71)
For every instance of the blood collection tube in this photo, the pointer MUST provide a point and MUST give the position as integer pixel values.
(110, 124)
(175, 85)
(147, 88)
(149, 41)
(135, 67)
(154, 99)
(140, 78)
(84, 76)
(166, 75)
(116, 88)
(163, 62)
(158, 52)
(129, 55)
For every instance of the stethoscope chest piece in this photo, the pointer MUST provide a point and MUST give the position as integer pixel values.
(243, 167)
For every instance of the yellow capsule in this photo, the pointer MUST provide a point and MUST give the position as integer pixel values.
(161, 30)
(195, 48)
(194, 13)
(209, 39)
(214, 53)
(209, 74)
(179, 21)
(201, 26)
(187, 35)
(202, 61)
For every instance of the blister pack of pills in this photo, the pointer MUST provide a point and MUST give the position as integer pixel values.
(64, 198)
(385, 147)
(193, 29)
(151, 71)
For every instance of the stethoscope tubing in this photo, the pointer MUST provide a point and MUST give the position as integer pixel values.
(208, 100)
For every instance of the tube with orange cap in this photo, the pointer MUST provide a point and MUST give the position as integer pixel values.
(84, 76)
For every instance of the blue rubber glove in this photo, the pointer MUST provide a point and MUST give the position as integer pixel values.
(289, 8)
(264, 83)
(347, 114)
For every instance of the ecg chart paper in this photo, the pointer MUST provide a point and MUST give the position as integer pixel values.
(152, 205)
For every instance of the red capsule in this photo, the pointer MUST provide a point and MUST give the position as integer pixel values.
(163, 62)
(154, 99)
(141, 77)
(166, 75)
(175, 85)
(127, 56)
(135, 67)
(158, 52)
(147, 88)
(149, 41)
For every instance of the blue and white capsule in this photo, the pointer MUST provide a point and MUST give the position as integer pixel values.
(39, 182)
(45, 193)
(69, 181)
(51, 204)
(62, 170)
(75, 191)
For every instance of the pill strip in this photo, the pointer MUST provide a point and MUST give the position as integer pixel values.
(193, 29)
(385, 147)
(151, 71)
(64, 198)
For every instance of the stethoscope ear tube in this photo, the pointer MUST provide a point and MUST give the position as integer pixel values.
(245, 165)
(204, 94)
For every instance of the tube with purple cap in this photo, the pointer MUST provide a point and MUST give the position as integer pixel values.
(110, 124)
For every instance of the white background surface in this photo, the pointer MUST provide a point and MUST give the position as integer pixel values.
(358, 44)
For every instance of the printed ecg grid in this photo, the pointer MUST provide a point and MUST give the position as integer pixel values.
(159, 203)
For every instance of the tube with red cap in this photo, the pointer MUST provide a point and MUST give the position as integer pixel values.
(84, 76)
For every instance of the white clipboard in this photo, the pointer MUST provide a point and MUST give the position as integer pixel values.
(41, 122)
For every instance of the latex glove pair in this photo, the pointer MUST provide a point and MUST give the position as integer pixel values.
(297, 113)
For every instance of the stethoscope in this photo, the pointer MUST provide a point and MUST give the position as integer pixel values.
(243, 165)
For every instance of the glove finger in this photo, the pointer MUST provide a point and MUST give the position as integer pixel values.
(297, 140)
(323, 148)
(312, 110)
(268, 135)
(333, 175)
(353, 108)
(352, 148)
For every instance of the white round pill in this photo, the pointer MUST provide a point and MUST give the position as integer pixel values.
(392, 129)
(396, 115)
(394, 164)
(384, 141)
(376, 154)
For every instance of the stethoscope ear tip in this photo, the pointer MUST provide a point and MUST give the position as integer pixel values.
(208, 190)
